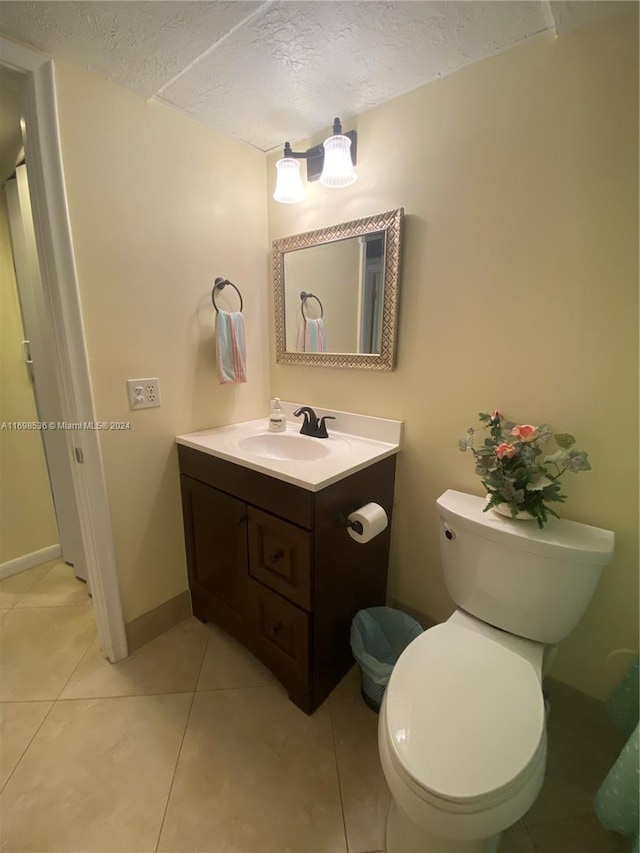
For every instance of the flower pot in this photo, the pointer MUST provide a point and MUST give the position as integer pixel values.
(521, 515)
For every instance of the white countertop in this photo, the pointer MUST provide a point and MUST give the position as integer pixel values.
(356, 442)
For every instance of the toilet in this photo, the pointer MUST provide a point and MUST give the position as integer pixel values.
(461, 732)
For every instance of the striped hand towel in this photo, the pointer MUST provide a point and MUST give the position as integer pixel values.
(231, 357)
(312, 336)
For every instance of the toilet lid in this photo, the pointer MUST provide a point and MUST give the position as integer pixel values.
(465, 716)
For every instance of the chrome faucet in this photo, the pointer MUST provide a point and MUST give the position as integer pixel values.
(312, 426)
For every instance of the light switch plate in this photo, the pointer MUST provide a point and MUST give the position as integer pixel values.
(143, 393)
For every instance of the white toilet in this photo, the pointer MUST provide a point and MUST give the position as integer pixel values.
(462, 726)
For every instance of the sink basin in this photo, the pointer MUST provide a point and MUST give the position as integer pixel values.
(303, 461)
(284, 446)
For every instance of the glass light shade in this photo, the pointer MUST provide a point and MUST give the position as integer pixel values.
(338, 169)
(289, 186)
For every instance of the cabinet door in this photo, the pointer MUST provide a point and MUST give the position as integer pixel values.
(216, 540)
(279, 636)
(280, 556)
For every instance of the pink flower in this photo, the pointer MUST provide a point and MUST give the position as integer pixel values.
(505, 449)
(525, 432)
(496, 415)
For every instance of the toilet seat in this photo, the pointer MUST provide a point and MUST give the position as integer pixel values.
(464, 719)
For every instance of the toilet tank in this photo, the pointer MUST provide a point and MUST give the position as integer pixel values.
(531, 582)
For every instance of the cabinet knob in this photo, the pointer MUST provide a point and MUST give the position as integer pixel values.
(279, 554)
(276, 629)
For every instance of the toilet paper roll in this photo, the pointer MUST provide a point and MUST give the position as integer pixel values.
(373, 519)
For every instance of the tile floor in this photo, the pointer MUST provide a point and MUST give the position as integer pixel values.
(191, 745)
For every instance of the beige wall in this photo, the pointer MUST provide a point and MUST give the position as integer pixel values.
(519, 178)
(27, 517)
(159, 207)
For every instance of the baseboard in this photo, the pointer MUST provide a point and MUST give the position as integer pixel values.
(575, 704)
(150, 625)
(29, 561)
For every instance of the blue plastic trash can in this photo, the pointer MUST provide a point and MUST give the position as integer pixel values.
(379, 635)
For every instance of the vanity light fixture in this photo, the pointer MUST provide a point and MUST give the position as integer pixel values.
(332, 163)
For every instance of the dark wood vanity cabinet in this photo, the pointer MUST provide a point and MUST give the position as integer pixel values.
(217, 561)
(272, 564)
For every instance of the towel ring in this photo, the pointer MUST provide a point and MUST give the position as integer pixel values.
(219, 284)
(304, 296)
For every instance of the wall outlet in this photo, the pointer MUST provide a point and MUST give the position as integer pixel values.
(143, 393)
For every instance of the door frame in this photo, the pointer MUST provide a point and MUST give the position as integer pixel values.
(69, 352)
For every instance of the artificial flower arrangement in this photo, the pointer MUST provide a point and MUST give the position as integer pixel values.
(513, 469)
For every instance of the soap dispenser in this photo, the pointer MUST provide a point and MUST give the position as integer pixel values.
(277, 417)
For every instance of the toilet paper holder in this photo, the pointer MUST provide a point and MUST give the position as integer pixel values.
(354, 525)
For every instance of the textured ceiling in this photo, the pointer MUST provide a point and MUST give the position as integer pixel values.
(265, 72)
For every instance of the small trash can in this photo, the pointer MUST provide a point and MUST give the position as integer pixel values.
(379, 635)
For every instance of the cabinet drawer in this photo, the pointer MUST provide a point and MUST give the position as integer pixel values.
(280, 637)
(280, 556)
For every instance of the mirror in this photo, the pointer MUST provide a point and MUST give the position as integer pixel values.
(336, 294)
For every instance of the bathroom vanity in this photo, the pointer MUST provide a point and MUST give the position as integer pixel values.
(269, 557)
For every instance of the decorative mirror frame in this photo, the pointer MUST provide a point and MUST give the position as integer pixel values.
(391, 223)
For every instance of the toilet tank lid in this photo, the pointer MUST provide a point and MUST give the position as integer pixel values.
(559, 539)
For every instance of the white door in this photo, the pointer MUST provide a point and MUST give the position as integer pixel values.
(57, 446)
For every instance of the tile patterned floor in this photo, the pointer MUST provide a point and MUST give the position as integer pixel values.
(191, 745)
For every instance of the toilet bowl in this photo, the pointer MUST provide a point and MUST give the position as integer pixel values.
(461, 732)
(462, 738)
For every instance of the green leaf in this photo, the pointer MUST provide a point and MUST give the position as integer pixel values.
(577, 461)
(462, 444)
(564, 440)
(495, 498)
(528, 452)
